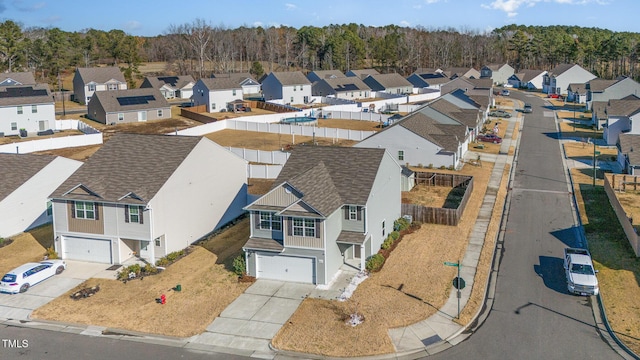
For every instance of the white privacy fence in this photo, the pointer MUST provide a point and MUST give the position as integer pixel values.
(262, 171)
(355, 115)
(261, 156)
(75, 125)
(51, 143)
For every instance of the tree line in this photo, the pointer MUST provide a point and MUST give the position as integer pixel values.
(199, 49)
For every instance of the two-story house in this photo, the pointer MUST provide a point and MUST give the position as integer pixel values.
(291, 87)
(171, 87)
(147, 196)
(456, 72)
(216, 93)
(28, 107)
(329, 206)
(250, 86)
(125, 106)
(86, 81)
(558, 79)
(347, 88)
(622, 116)
(392, 83)
(498, 73)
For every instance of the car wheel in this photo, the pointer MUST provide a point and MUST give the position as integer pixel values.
(59, 270)
(24, 288)
(495, 141)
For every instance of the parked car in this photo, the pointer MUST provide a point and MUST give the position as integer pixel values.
(527, 108)
(500, 113)
(505, 92)
(25, 276)
(555, 96)
(507, 85)
(492, 138)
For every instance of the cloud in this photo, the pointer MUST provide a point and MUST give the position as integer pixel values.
(511, 6)
(405, 23)
(132, 25)
(258, 24)
(21, 6)
(428, 2)
(290, 6)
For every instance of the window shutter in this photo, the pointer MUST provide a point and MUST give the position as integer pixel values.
(256, 220)
(140, 212)
(289, 226)
(359, 212)
(97, 208)
(126, 213)
(317, 228)
(73, 209)
(346, 212)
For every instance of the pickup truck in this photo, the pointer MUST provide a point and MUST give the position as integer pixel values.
(578, 268)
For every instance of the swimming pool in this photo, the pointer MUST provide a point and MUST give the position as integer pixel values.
(300, 120)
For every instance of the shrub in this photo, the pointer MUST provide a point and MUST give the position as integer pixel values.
(240, 265)
(401, 224)
(124, 273)
(430, 166)
(150, 269)
(386, 244)
(443, 167)
(171, 257)
(394, 235)
(51, 253)
(162, 262)
(374, 263)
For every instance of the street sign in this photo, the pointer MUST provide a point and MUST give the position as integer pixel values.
(450, 263)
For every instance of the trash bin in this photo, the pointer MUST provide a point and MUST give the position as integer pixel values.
(178, 287)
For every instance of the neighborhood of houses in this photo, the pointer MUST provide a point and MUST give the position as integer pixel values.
(146, 196)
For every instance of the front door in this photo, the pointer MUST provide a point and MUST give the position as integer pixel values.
(357, 250)
(145, 250)
(43, 125)
(142, 116)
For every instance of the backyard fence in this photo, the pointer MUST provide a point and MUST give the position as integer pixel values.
(442, 216)
(261, 156)
(51, 143)
(356, 115)
(302, 130)
(620, 182)
(263, 171)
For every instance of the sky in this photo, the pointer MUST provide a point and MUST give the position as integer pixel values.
(154, 17)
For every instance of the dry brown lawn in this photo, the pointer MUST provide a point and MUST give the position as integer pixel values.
(491, 148)
(583, 150)
(569, 129)
(15, 139)
(350, 124)
(431, 196)
(267, 141)
(259, 186)
(208, 287)
(630, 197)
(26, 247)
(398, 295)
(81, 153)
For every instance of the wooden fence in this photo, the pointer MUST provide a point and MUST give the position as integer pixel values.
(619, 182)
(194, 113)
(442, 216)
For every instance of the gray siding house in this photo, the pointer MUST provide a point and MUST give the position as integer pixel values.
(498, 73)
(171, 87)
(290, 87)
(456, 72)
(558, 79)
(628, 155)
(146, 196)
(605, 90)
(348, 88)
(329, 207)
(527, 79)
(389, 83)
(125, 106)
(87, 81)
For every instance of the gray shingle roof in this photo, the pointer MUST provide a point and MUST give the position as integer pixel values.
(110, 103)
(484, 83)
(18, 168)
(330, 176)
(291, 78)
(445, 136)
(599, 85)
(22, 78)
(100, 75)
(362, 73)
(598, 108)
(228, 83)
(24, 95)
(468, 117)
(623, 107)
(526, 75)
(386, 81)
(129, 163)
(630, 146)
(558, 70)
(578, 88)
(173, 82)
(459, 71)
(329, 74)
(347, 84)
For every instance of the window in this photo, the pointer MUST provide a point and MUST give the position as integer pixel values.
(49, 208)
(353, 213)
(294, 88)
(91, 87)
(301, 88)
(14, 126)
(157, 242)
(133, 214)
(270, 221)
(112, 87)
(213, 106)
(384, 231)
(34, 109)
(234, 92)
(292, 99)
(85, 210)
(159, 113)
(304, 227)
(400, 154)
(120, 116)
(19, 109)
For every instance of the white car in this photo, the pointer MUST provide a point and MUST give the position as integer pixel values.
(23, 277)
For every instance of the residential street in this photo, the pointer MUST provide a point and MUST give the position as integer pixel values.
(533, 316)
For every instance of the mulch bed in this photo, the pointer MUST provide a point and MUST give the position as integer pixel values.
(6, 242)
(85, 293)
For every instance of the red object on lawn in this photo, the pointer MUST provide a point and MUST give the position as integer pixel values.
(163, 299)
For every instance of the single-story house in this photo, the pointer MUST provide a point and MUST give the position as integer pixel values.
(125, 106)
(25, 185)
(171, 87)
(28, 107)
(577, 93)
(147, 196)
(216, 93)
(86, 81)
(329, 207)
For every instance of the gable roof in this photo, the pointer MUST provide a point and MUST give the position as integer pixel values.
(130, 100)
(526, 75)
(17, 78)
(128, 164)
(445, 136)
(222, 83)
(468, 117)
(328, 74)
(18, 168)
(379, 82)
(25, 95)
(453, 72)
(599, 85)
(287, 78)
(330, 176)
(100, 75)
(578, 88)
(484, 83)
(431, 78)
(173, 82)
(240, 78)
(560, 69)
(623, 107)
(346, 84)
(363, 73)
(630, 146)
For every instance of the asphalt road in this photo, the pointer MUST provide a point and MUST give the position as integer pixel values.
(34, 344)
(533, 316)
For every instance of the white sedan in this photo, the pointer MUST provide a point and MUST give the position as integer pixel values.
(23, 277)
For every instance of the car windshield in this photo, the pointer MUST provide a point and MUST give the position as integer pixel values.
(9, 278)
(582, 269)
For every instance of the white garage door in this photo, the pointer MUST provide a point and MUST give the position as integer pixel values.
(94, 250)
(287, 268)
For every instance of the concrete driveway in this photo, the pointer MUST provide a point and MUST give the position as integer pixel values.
(20, 306)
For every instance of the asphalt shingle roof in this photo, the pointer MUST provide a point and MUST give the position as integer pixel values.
(526, 75)
(347, 84)
(222, 83)
(110, 103)
(100, 75)
(599, 85)
(291, 78)
(25, 95)
(387, 81)
(558, 70)
(329, 74)
(362, 73)
(329, 176)
(18, 168)
(174, 82)
(630, 146)
(129, 163)
(22, 78)
(578, 88)
(623, 107)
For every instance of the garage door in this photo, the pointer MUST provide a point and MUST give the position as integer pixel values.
(287, 268)
(83, 249)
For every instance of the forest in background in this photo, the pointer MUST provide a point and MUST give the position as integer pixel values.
(199, 49)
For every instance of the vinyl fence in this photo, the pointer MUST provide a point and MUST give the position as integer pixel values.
(261, 156)
(355, 115)
(52, 143)
(263, 171)
(303, 130)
